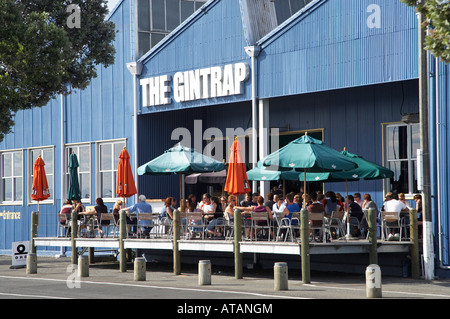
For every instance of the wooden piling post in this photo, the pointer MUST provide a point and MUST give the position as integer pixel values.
(372, 221)
(238, 269)
(33, 231)
(73, 235)
(122, 236)
(414, 238)
(304, 229)
(176, 237)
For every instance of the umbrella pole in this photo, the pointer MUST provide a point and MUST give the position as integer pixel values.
(348, 217)
(304, 189)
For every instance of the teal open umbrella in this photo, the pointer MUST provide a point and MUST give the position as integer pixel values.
(366, 169)
(308, 154)
(180, 160)
(73, 193)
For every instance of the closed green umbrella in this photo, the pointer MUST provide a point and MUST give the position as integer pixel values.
(73, 193)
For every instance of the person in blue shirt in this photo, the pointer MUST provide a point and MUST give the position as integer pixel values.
(291, 207)
(142, 207)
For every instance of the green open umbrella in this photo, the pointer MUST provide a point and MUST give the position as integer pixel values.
(73, 193)
(365, 170)
(180, 160)
(308, 154)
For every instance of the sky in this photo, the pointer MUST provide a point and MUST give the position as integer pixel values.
(112, 4)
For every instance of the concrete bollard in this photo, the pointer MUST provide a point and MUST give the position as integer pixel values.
(373, 281)
(280, 273)
(31, 263)
(83, 266)
(139, 269)
(204, 272)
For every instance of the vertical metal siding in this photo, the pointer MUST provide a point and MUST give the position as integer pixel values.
(330, 46)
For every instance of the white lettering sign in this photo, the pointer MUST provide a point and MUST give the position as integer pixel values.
(195, 84)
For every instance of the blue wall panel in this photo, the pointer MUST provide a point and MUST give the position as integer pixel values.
(329, 45)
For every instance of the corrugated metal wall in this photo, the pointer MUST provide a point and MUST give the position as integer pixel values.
(102, 111)
(329, 45)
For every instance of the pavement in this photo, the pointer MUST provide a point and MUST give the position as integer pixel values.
(56, 278)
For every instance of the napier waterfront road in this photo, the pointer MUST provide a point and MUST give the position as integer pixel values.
(56, 279)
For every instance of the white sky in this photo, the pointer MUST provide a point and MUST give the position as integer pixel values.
(112, 4)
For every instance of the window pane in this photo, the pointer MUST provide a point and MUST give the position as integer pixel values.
(158, 15)
(85, 181)
(18, 189)
(84, 159)
(7, 165)
(118, 147)
(156, 37)
(106, 183)
(173, 14)
(105, 157)
(399, 183)
(187, 8)
(48, 160)
(7, 190)
(18, 164)
(143, 15)
(199, 3)
(144, 42)
(415, 190)
(50, 186)
(415, 140)
(396, 142)
(282, 10)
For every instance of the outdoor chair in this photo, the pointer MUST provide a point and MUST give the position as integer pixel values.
(317, 223)
(336, 222)
(195, 224)
(260, 221)
(144, 220)
(112, 223)
(63, 225)
(392, 220)
(286, 228)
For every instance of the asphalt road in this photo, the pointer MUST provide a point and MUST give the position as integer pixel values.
(55, 279)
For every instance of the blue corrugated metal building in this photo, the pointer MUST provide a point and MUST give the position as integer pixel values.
(345, 70)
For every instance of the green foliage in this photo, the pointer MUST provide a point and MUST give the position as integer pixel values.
(437, 13)
(41, 56)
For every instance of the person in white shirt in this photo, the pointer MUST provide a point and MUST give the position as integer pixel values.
(393, 205)
(358, 200)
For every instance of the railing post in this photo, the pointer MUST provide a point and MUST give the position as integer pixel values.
(73, 235)
(122, 236)
(176, 237)
(414, 238)
(304, 229)
(238, 270)
(372, 222)
(33, 231)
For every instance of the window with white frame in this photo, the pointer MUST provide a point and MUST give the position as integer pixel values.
(11, 177)
(47, 155)
(107, 164)
(401, 144)
(83, 152)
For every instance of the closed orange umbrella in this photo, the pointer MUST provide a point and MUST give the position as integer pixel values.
(237, 181)
(40, 190)
(125, 181)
